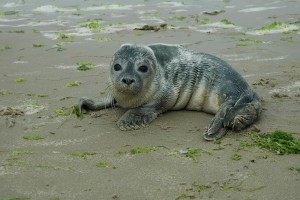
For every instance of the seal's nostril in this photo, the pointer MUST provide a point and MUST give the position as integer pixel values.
(128, 81)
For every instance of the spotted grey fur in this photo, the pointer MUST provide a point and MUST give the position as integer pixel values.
(150, 80)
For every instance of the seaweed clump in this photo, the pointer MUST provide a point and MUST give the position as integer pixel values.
(67, 112)
(138, 150)
(33, 137)
(84, 66)
(274, 25)
(152, 27)
(278, 141)
(102, 164)
(194, 153)
(226, 21)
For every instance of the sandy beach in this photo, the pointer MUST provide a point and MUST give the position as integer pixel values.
(46, 152)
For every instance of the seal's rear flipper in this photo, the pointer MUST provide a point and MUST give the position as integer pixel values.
(217, 135)
(244, 113)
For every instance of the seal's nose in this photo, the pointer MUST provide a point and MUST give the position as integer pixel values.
(128, 81)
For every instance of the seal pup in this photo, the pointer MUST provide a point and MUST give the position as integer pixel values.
(150, 80)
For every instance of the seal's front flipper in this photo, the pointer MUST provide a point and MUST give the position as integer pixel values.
(214, 136)
(90, 104)
(137, 118)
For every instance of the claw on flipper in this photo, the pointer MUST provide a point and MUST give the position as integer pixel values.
(215, 136)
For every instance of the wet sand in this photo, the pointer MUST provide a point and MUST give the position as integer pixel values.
(40, 44)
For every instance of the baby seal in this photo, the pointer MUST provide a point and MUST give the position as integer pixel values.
(150, 80)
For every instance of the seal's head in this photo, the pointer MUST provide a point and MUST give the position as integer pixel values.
(133, 69)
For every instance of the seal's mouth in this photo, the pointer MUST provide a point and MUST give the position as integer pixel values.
(128, 90)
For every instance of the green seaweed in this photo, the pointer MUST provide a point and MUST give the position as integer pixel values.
(250, 40)
(19, 31)
(6, 13)
(36, 31)
(37, 95)
(255, 188)
(31, 106)
(200, 187)
(61, 48)
(5, 92)
(73, 84)
(63, 36)
(151, 13)
(17, 198)
(244, 44)
(75, 110)
(287, 39)
(16, 154)
(83, 154)
(102, 164)
(274, 25)
(42, 95)
(194, 153)
(38, 45)
(149, 149)
(201, 20)
(54, 167)
(36, 127)
(297, 169)
(14, 160)
(84, 66)
(33, 137)
(138, 33)
(67, 112)
(92, 24)
(103, 39)
(178, 18)
(278, 141)
(149, 28)
(19, 58)
(226, 21)
(290, 31)
(236, 157)
(229, 187)
(20, 80)
(243, 144)
(17, 162)
(62, 112)
(6, 47)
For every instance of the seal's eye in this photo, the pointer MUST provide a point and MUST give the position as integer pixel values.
(117, 67)
(143, 68)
